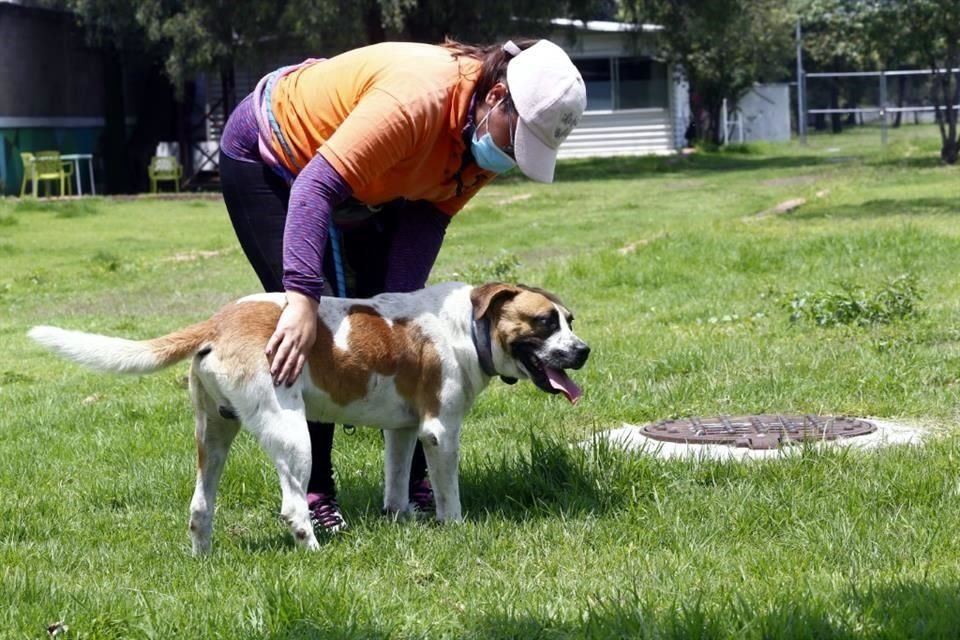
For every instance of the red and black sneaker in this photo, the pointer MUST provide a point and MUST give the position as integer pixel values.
(421, 496)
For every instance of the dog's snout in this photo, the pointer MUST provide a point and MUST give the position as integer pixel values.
(580, 355)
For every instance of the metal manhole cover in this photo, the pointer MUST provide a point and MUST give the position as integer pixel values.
(757, 432)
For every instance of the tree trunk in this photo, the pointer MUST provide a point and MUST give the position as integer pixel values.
(373, 23)
(836, 119)
(185, 128)
(713, 127)
(228, 88)
(114, 146)
(155, 108)
(948, 152)
(946, 93)
(901, 100)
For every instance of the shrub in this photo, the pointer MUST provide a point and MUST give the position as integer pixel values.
(854, 305)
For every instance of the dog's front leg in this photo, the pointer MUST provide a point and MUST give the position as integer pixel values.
(397, 457)
(441, 444)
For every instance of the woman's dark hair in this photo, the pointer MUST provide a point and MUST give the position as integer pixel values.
(494, 60)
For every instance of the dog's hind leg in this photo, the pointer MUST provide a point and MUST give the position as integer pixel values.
(397, 458)
(214, 435)
(441, 444)
(279, 422)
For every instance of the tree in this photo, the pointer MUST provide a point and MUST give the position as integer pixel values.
(722, 46)
(212, 35)
(933, 37)
(169, 42)
(112, 27)
(369, 21)
(187, 37)
(836, 39)
(891, 34)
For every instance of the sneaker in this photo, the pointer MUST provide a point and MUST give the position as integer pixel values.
(325, 513)
(421, 495)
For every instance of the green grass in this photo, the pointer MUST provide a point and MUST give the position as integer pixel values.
(684, 295)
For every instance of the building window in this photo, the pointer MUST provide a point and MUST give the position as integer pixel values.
(598, 76)
(624, 83)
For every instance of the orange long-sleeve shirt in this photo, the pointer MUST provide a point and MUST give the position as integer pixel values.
(389, 118)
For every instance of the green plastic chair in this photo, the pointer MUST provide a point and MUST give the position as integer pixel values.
(27, 159)
(164, 169)
(45, 167)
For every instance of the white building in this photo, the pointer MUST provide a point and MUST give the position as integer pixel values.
(634, 104)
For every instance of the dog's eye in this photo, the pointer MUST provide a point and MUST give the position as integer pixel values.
(547, 323)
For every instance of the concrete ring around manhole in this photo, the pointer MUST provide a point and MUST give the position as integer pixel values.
(757, 436)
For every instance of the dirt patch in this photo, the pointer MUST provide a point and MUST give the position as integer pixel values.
(682, 185)
(117, 309)
(512, 199)
(790, 181)
(197, 255)
(637, 244)
(548, 253)
(787, 206)
(185, 195)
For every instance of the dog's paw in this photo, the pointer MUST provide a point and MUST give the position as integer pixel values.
(397, 514)
(451, 517)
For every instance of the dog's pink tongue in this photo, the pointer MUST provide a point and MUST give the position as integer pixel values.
(562, 383)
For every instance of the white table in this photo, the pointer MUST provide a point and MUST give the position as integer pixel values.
(76, 158)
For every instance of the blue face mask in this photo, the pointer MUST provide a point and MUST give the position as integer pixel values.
(486, 152)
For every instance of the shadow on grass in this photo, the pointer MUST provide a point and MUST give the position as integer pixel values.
(550, 479)
(883, 207)
(61, 208)
(635, 167)
(556, 479)
(902, 610)
(927, 161)
(911, 609)
(278, 540)
(321, 609)
(306, 630)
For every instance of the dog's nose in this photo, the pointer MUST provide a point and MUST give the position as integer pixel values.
(580, 355)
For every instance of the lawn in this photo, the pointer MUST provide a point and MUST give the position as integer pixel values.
(694, 305)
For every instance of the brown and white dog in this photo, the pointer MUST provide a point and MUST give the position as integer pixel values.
(411, 364)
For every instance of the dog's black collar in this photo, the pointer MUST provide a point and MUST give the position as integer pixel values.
(480, 332)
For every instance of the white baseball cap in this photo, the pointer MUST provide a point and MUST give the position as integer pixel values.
(549, 95)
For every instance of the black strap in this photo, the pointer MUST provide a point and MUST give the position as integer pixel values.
(480, 332)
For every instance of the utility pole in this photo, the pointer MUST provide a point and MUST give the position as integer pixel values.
(801, 88)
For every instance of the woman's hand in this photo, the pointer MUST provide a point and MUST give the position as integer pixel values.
(295, 334)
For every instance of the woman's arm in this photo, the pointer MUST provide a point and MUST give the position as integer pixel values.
(316, 191)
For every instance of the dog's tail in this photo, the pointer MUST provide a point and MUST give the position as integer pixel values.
(119, 355)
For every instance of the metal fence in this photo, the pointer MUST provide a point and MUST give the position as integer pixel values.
(869, 97)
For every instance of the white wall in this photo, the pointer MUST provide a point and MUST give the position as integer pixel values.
(680, 107)
(766, 113)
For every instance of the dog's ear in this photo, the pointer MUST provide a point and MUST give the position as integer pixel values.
(489, 295)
